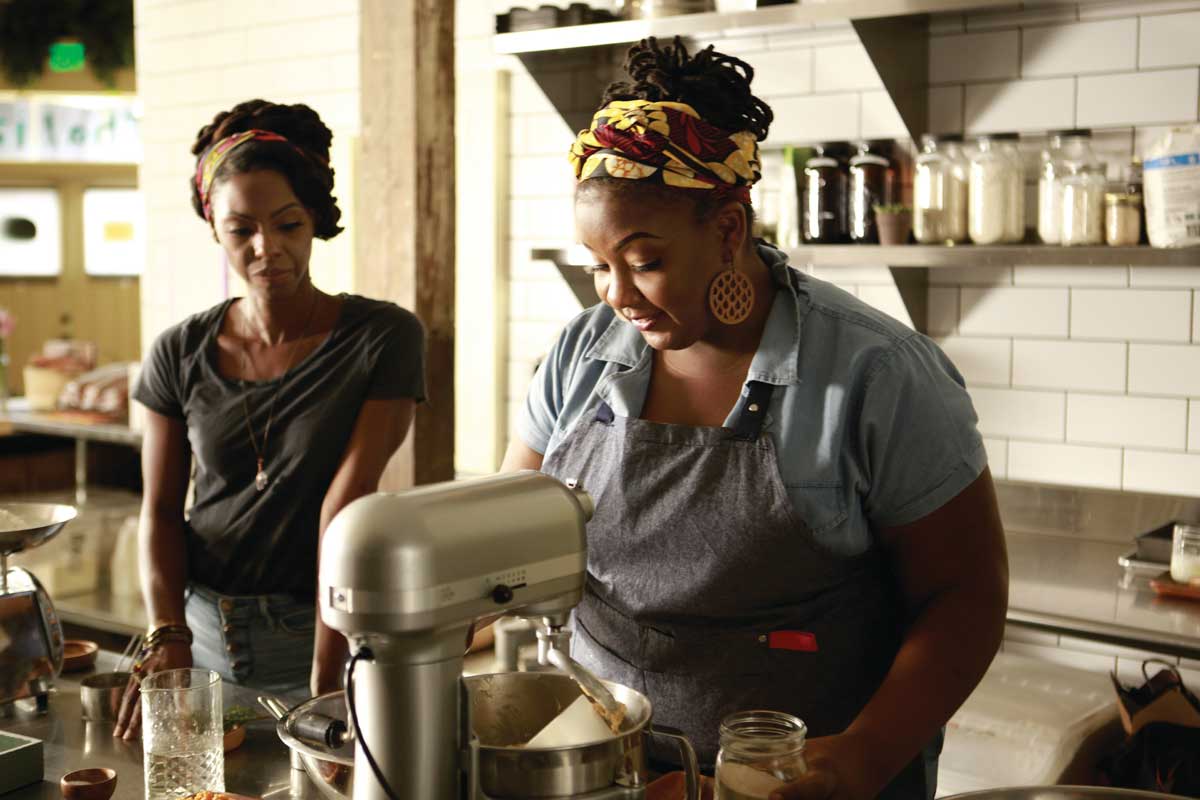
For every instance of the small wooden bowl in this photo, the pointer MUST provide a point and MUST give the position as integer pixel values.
(79, 654)
(96, 783)
(234, 738)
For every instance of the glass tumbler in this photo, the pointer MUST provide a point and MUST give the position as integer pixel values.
(182, 733)
(760, 752)
(1185, 554)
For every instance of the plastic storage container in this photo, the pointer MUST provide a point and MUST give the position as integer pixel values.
(1067, 150)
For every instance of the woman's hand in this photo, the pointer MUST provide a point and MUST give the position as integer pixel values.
(169, 655)
(838, 769)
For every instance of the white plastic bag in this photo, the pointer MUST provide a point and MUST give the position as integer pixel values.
(1172, 186)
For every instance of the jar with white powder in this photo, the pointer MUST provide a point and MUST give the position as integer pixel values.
(1014, 217)
(1082, 221)
(940, 192)
(989, 192)
(1068, 150)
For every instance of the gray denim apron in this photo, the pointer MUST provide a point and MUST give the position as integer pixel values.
(706, 592)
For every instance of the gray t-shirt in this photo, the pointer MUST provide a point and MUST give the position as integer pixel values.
(240, 540)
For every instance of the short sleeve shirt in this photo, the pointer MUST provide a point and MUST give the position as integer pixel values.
(871, 421)
(240, 540)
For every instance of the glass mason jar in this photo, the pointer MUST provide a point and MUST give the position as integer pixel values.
(939, 192)
(1185, 556)
(1122, 219)
(1014, 218)
(760, 752)
(1082, 220)
(826, 195)
(989, 192)
(1066, 150)
(869, 172)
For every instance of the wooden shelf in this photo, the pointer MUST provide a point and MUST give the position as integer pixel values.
(799, 16)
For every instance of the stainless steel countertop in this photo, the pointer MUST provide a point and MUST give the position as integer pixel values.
(259, 768)
(1075, 584)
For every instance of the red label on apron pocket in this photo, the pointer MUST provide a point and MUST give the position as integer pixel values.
(801, 641)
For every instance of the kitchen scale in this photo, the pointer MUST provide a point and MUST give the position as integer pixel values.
(31, 639)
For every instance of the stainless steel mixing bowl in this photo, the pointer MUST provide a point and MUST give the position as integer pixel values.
(508, 709)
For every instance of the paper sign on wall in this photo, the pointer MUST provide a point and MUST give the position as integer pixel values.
(30, 232)
(114, 225)
(38, 131)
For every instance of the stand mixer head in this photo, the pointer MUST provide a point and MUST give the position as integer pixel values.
(404, 577)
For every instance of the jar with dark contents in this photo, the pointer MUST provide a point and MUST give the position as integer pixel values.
(871, 183)
(826, 196)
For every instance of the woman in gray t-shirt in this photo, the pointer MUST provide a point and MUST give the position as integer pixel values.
(281, 406)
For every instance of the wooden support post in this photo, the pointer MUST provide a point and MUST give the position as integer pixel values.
(405, 204)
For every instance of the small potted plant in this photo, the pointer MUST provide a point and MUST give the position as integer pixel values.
(894, 221)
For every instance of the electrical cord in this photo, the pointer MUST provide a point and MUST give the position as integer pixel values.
(364, 654)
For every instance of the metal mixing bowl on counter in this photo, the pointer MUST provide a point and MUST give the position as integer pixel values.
(508, 709)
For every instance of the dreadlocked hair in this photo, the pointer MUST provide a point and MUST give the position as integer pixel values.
(303, 160)
(715, 84)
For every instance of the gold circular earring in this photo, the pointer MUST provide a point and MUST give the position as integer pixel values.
(731, 296)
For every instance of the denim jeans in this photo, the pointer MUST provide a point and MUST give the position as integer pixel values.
(261, 641)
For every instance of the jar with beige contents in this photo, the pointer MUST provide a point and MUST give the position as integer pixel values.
(761, 751)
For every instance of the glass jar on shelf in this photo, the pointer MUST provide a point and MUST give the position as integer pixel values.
(989, 192)
(1014, 218)
(1122, 218)
(939, 192)
(826, 195)
(870, 179)
(1082, 221)
(1066, 150)
(761, 751)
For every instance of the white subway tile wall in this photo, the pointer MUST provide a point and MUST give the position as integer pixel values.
(1021, 414)
(1164, 473)
(1063, 364)
(1073, 49)
(1098, 467)
(1030, 105)
(1194, 425)
(1143, 98)
(1164, 369)
(981, 361)
(1029, 312)
(1131, 314)
(1154, 422)
(1169, 40)
(974, 57)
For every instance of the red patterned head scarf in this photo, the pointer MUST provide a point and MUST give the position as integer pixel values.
(206, 166)
(668, 143)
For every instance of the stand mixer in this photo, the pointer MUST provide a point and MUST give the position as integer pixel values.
(31, 640)
(405, 577)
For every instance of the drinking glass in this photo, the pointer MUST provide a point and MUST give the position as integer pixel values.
(1185, 553)
(182, 733)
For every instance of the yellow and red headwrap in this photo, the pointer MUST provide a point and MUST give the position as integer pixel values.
(206, 167)
(668, 143)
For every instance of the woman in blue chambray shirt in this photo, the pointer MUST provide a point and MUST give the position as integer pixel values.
(793, 506)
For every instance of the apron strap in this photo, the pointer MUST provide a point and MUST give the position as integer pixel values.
(751, 410)
(748, 415)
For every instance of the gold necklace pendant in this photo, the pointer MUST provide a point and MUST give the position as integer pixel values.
(260, 478)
